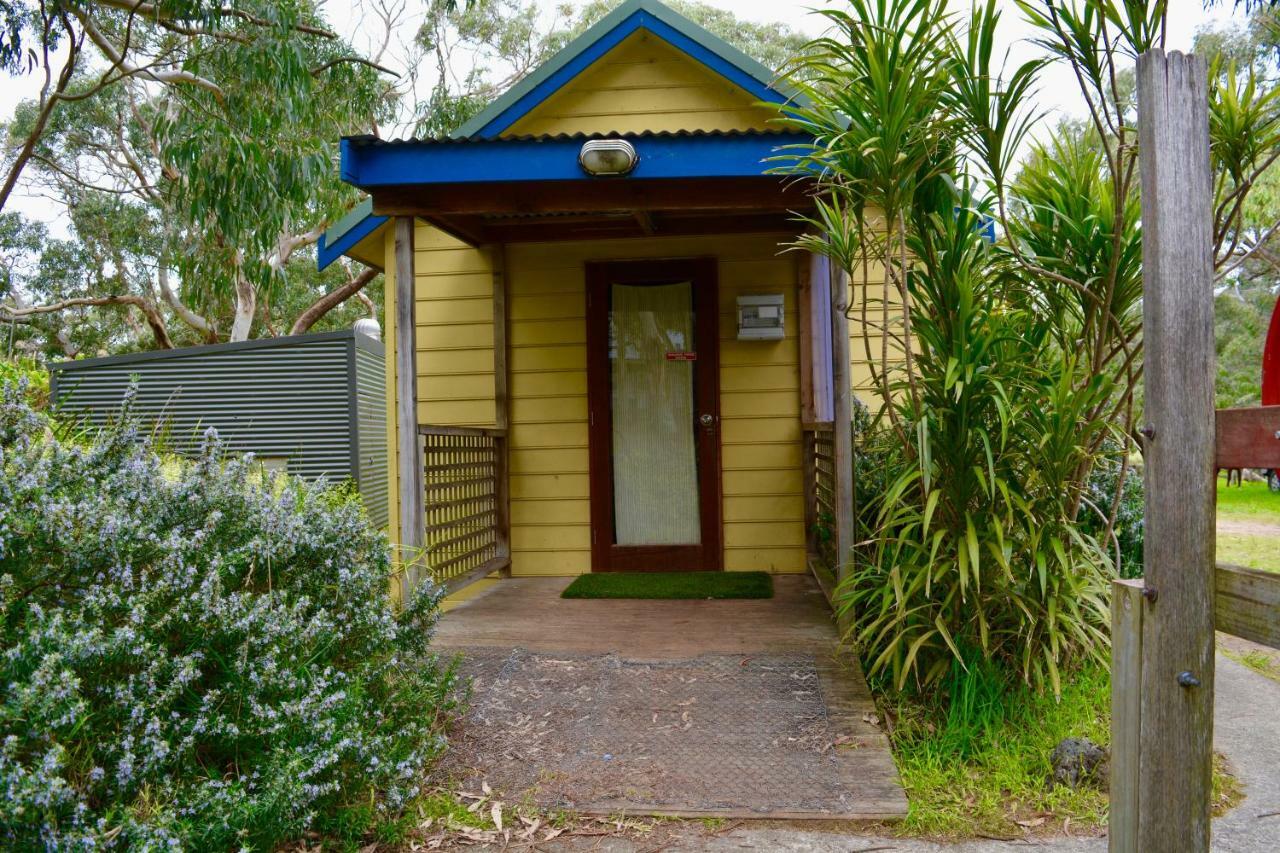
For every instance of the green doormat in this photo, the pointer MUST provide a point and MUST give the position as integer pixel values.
(671, 585)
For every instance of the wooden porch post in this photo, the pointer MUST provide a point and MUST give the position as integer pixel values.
(501, 411)
(408, 442)
(842, 417)
(804, 296)
(1176, 740)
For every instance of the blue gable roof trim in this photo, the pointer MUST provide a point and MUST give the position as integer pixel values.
(476, 154)
(344, 234)
(327, 253)
(370, 164)
(608, 33)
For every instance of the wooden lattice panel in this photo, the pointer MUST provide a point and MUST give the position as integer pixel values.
(462, 481)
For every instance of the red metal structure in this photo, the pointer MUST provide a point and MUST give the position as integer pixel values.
(1271, 362)
(1271, 378)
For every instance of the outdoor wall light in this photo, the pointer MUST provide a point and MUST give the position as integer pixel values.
(603, 157)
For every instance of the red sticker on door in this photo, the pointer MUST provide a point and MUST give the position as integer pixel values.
(682, 356)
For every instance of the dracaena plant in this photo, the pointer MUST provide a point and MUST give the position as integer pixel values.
(971, 546)
(1013, 365)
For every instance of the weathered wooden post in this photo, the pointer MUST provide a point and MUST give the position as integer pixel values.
(408, 442)
(1126, 714)
(842, 415)
(1174, 741)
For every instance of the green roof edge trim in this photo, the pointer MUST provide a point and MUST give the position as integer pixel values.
(664, 13)
(351, 219)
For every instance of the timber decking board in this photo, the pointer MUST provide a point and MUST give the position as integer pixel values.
(529, 613)
(524, 622)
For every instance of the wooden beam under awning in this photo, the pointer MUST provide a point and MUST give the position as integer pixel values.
(599, 195)
(477, 230)
(546, 211)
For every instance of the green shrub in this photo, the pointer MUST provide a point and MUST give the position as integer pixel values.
(1130, 510)
(30, 375)
(196, 656)
(975, 758)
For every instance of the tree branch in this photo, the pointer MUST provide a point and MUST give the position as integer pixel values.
(153, 317)
(331, 300)
(287, 244)
(356, 60)
(42, 117)
(162, 16)
(118, 60)
(185, 314)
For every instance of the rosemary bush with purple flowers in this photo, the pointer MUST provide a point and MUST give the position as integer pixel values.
(197, 656)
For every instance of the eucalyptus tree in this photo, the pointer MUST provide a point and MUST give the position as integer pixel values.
(1007, 365)
(182, 45)
(218, 124)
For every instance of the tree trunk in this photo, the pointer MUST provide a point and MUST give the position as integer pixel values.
(331, 300)
(246, 307)
(63, 339)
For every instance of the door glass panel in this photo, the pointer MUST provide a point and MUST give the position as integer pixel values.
(655, 474)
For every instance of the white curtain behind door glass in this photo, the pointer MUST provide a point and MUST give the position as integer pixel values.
(655, 477)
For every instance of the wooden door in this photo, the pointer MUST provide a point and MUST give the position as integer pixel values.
(653, 388)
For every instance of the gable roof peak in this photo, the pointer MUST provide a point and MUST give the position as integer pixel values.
(654, 16)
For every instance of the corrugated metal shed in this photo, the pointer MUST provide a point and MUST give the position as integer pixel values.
(314, 405)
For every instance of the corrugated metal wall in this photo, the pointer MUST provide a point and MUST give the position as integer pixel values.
(288, 400)
(371, 427)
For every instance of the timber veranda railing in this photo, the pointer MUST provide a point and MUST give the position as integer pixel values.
(820, 484)
(466, 504)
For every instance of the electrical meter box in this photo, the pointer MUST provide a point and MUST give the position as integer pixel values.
(760, 317)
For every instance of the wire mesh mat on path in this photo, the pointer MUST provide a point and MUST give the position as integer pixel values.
(771, 735)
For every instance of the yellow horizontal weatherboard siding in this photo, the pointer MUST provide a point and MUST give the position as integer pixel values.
(760, 431)
(763, 510)
(645, 84)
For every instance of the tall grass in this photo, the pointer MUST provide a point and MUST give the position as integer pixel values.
(982, 763)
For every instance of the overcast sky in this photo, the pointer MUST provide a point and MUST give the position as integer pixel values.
(1057, 92)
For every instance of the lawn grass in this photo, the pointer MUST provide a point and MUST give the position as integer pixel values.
(671, 585)
(1252, 503)
(1254, 552)
(1248, 502)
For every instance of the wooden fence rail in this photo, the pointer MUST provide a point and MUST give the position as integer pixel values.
(1246, 603)
(465, 503)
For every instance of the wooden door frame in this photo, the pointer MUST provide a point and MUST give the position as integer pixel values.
(709, 554)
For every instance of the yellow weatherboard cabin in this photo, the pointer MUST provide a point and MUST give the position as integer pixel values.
(600, 355)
